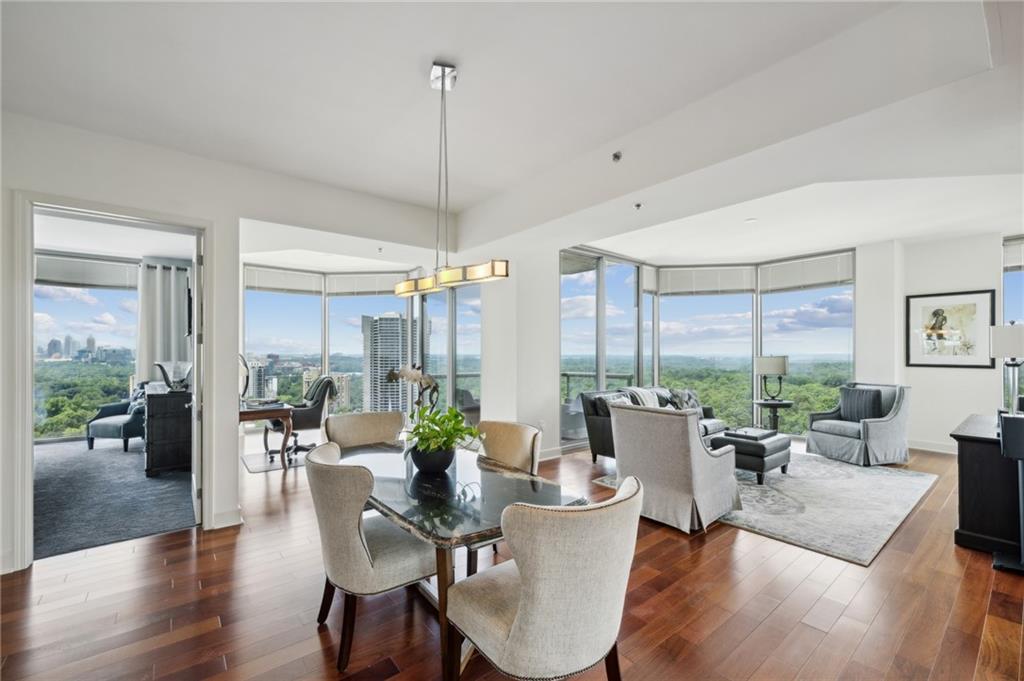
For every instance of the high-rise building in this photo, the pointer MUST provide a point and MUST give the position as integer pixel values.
(257, 380)
(90, 345)
(67, 345)
(54, 347)
(342, 401)
(385, 348)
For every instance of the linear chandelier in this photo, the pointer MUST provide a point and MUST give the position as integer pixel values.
(442, 77)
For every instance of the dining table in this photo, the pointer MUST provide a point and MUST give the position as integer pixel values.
(460, 507)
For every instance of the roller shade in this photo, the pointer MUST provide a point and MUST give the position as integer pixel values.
(58, 270)
(649, 279)
(1013, 254)
(705, 280)
(367, 284)
(283, 281)
(574, 263)
(832, 269)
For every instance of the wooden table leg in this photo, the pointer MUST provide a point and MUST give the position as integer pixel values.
(287, 421)
(445, 578)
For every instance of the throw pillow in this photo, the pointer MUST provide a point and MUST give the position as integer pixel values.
(137, 405)
(602, 402)
(685, 399)
(664, 397)
(857, 404)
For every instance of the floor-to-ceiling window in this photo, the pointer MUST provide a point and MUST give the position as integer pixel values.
(1013, 301)
(435, 342)
(620, 322)
(648, 351)
(807, 315)
(467, 351)
(707, 337)
(579, 371)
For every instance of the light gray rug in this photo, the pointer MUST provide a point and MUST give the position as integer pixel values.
(845, 511)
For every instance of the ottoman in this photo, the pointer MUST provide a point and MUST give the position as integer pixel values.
(758, 456)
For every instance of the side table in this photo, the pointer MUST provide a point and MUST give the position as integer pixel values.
(773, 407)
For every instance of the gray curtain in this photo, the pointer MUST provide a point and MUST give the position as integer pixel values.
(163, 315)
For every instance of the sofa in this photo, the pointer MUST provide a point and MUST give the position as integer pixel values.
(599, 423)
(844, 433)
(119, 420)
(687, 485)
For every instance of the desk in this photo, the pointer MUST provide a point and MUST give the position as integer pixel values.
(989, 517)
(460, 507)
(279, 411)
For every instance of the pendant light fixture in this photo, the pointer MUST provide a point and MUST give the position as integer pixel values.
(442, 77)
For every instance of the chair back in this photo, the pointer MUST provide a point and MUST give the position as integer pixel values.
(890, 394)
(339, 494)
(513, 444)
(657, 445)
(364, 428)
(567, 619)
(320, 390)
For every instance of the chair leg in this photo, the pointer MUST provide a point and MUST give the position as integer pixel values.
(760, 478)
(593, 455)
(495, 547)
(90, 441)
(785, 468)
(266, 442)
(453, 656)
(348, 625)
(471, 562)
(611, 664)
(325, 604)
(125, 444)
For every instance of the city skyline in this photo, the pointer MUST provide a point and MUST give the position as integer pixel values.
(108, 315)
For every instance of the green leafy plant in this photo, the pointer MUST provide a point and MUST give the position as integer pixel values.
(441, 431)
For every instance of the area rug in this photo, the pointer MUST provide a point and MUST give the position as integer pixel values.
(845, 511)
(89, 498)
(259, 462)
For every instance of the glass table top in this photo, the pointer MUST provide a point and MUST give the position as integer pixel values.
(459, 507)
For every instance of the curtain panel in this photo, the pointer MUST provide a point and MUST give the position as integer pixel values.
(163, 316)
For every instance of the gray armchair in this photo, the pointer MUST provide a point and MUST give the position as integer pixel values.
(869, 441)
(120, 420)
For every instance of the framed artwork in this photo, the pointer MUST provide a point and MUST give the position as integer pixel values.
(950, 329)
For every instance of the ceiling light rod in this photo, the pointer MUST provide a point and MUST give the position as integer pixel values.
(442, 77)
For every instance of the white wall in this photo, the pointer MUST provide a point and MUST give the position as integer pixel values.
(886, 272)
(99, 169)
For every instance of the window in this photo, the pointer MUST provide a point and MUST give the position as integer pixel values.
(369, 336)
(283, 343)
(706, 346)
(84, 354)
(578, 293)
(435, 342)
(814, 327)
(647, 348)
(1013, 300)
(467, 351)
(620, 347)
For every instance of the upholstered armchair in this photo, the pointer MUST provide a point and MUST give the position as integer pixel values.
(362, 556)
(688, 485)
(118, 420)
(364, 428)
(539, 617)
(842, 434)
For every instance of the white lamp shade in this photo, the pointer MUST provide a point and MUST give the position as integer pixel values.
(771, 366)
(1006, 341)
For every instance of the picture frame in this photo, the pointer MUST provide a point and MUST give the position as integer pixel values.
(950, 330)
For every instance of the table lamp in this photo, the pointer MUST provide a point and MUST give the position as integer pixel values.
(773, 366)
(1007, 343)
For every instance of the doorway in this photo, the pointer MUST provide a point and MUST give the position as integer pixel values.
(117, 370)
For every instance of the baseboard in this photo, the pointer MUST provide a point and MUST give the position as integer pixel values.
(226, 519)
(940, 447)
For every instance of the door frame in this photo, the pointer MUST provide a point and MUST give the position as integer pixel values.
(20, 519)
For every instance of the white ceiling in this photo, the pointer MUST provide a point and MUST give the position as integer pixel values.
(92, 237)
(828, 216)
(338, 92)
(318, 261)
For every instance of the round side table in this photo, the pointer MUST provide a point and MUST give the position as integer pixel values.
(773, 407)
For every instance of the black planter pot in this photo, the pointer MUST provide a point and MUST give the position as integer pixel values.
(432, 462)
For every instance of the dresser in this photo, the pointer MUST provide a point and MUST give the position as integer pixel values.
(168, 429)
(989, 515)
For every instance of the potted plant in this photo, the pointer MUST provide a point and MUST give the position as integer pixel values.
(435, 435)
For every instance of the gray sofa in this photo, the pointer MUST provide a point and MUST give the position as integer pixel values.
(866, 442)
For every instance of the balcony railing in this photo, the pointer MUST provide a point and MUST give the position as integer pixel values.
(568, 377)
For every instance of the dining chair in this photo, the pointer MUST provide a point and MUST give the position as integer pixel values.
(362, 556)
(516, 445)
(364, 428)
(535, 617)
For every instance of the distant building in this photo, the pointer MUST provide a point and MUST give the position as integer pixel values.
(67, 346)
(385, 348)
(54, 347)
(90, 345)
(257, 380)
(342, 401)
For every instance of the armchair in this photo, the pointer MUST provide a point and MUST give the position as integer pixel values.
(866, 442)
(687, 485)
(121, 420)
(307, 416)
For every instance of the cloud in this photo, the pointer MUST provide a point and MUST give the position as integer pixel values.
(129, 305)
(44, 323)
(471, 305)
(94, 327)
(65, 293)
(585, 307)
(106, 319)
(584, 278)
(828, 313)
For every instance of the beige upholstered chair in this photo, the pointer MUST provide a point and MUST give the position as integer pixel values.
(539, 617)
(362, 556)
(513, 444)
(688, 486)
(364, 428)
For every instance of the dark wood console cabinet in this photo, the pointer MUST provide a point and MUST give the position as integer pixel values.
(989, 517)
(168, 429)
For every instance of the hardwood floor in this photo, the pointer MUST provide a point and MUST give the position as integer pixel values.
(241, 603)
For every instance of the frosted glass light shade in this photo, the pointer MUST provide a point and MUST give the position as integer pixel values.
(404, 289)
(488, 271)
(1006, 341)
(771, 366)
(427, 284)
(451, 276)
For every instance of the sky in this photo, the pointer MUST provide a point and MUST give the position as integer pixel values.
(109, 315)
